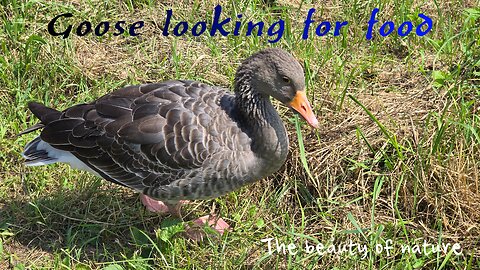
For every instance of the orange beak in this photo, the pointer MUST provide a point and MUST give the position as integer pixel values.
(301, 105)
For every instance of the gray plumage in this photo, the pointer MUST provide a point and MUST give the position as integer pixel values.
(177, 140)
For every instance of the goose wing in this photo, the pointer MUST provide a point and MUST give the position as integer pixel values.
(143, 136)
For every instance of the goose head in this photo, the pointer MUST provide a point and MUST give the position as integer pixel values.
(276, 73)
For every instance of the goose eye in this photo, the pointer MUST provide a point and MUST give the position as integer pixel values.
(285, 79)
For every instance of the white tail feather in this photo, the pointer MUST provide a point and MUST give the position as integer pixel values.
(38, 153)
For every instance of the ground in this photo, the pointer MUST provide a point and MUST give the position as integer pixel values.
(393, 164)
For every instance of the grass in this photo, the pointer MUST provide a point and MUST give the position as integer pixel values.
(395, 162)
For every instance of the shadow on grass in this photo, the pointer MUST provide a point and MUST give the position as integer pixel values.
(98, 224)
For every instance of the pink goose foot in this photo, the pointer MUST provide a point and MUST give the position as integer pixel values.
(154, 205)
(194, 232)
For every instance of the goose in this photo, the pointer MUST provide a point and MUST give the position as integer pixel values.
(179, 140)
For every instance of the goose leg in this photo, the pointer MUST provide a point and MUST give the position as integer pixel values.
(154, 205)
(194, 232)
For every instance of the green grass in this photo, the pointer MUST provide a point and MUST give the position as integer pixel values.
(396, 159)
